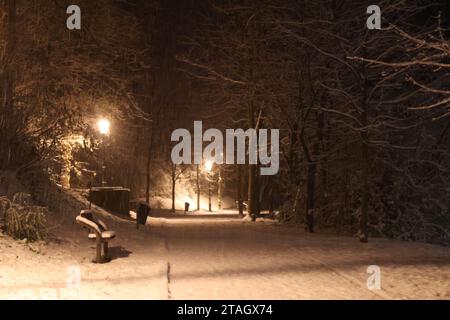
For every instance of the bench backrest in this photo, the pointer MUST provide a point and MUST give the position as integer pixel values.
(86, 219)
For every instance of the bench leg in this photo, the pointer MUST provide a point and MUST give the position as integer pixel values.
(105, 252)
(98, 258)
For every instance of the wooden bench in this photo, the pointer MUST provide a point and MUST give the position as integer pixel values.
(98, 232)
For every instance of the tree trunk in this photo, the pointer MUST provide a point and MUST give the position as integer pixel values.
(251, 191)
(257, 191)
(310, 195)
(239, 191)
(219, 190)
(7, 120)
(363, 234)
(147, 179)
(310, 185)
(251, 169)
(198, 187)
(148, 173)
(174, 178)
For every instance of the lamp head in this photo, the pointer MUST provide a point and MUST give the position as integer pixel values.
(104, 126)
(208, 165)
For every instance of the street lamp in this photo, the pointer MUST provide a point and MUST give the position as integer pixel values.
(219, 187)
(208, 166)
(208, 169)
(104, 126)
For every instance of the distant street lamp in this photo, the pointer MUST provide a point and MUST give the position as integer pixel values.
(208, 166)
(104, 126)
(208, 169)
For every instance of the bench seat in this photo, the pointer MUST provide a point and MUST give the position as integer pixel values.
(106, 235)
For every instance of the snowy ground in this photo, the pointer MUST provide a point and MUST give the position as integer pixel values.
(219, 257)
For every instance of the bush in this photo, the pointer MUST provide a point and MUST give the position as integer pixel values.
(24, 221)
(5, 204)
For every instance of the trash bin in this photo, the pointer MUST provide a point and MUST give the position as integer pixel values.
(186, 207)
(142, 214)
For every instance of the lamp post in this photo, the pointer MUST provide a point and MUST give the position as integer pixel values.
(104, 128)
(208, 168)
(219, 186)
(219, 190)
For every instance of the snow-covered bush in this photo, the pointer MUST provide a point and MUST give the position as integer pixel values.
(25, 221)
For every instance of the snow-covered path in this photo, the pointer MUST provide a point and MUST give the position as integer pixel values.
(223, 258)
(235, 260)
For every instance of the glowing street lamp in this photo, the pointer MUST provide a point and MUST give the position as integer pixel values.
(104, 126)
(208, 166)
(208, 169)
